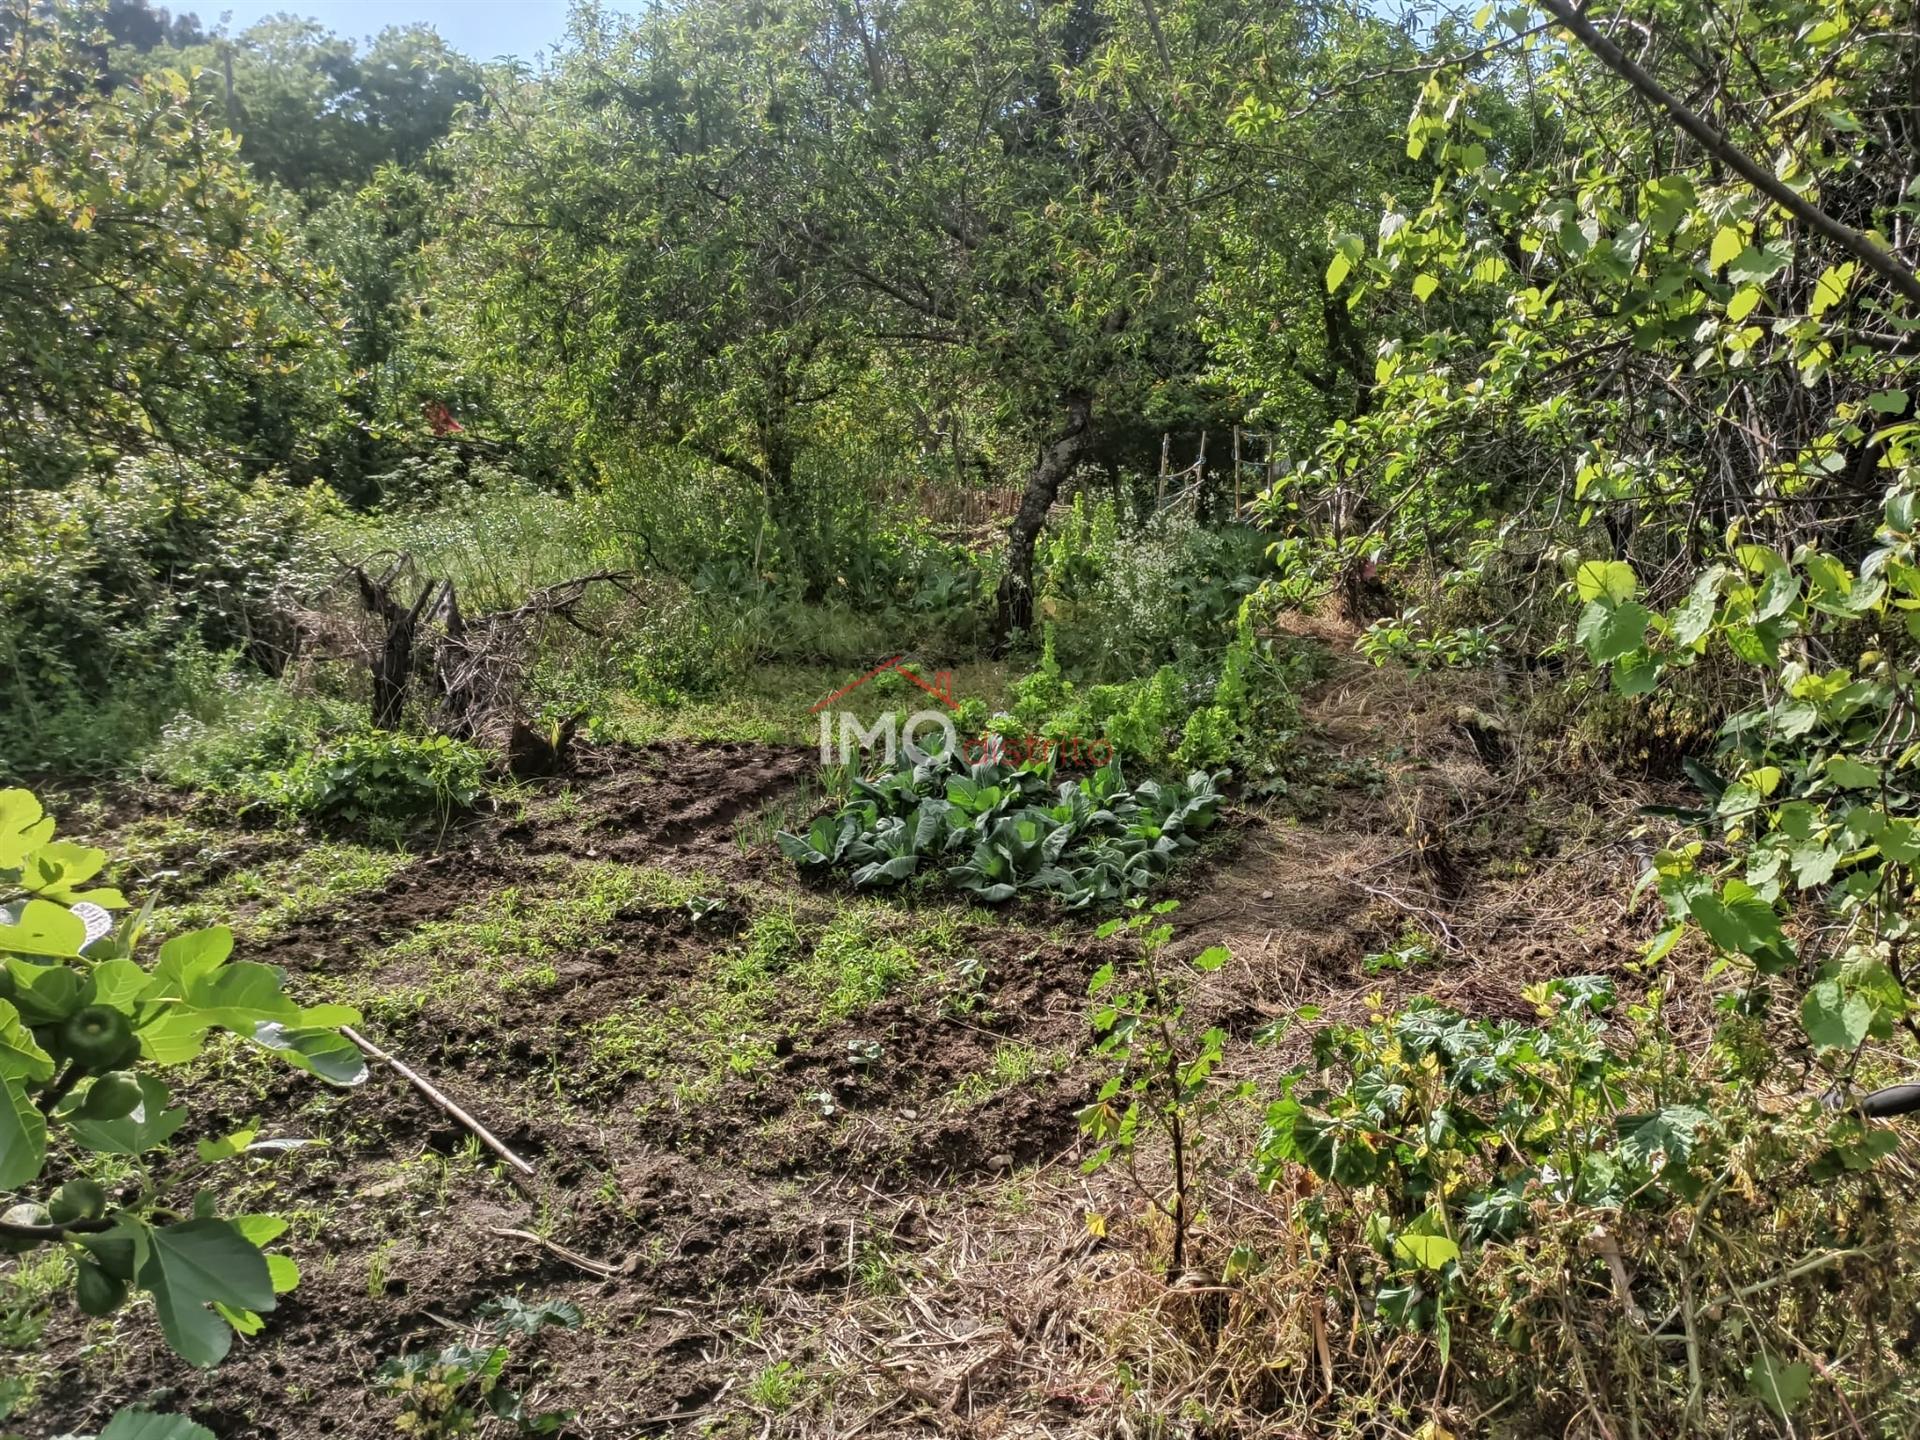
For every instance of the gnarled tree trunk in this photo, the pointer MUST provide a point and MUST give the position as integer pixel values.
(1055, 464)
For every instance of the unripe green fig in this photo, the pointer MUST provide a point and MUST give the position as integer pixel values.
(97, 1037)
(113, 1096)
(77, 1200)
(97, 1292)
(24, 1214)
(112, 1254)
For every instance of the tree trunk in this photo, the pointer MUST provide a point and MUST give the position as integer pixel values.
(392, 665)
(1055, 464)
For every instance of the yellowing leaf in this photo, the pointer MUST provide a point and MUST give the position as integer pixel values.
(1348, 249)
(1727, 243)
(1605, 579)
(1423, 287)
(1743, 301)
(1831, 288)
(1429, 1252)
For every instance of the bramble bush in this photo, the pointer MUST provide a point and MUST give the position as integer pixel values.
(117, 591)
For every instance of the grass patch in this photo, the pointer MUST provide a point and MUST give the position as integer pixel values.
(776, 1387)
(786, 975)
(515, 936)
(1013, 1064)
(259, 901)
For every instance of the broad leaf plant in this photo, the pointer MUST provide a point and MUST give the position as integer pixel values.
(98, 1030)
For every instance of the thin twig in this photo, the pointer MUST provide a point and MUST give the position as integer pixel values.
(438, 1097)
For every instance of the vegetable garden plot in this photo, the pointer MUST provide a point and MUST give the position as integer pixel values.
(994, 831)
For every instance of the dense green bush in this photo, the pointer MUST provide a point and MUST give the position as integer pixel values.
(380, 777)
(310, 758)
(113, 592)
(1238, 706)
(1126, 600)
(1527, 1195)
(246, 730)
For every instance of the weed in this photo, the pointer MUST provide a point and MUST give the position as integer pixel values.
(442, 1393)
(1013, 1064)
(314, 882)
(26, 1301)
(776, 1387)
(516, 935)
(875, 1271)
(1413, 949)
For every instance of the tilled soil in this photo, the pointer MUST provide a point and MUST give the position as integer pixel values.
(685, 1214)
(712, 1224)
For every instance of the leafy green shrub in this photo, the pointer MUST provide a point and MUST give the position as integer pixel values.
(113, 591)
(688, 648)
(1816, 817)
(1530, 1193)
(1001, 830)
(1127, 600)
(241, 732)
(1408, 638)
(1164, 1078)
(315, 759)
(1450, 1133)
(1240, 709)
(85, 1032)
(383, 776)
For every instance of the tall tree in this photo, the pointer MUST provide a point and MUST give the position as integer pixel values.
(146, 298)
(607, 276)
(1034, 187)
(316, 112)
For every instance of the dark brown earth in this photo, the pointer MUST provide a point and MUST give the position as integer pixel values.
(677, 1229)
(693, 1210)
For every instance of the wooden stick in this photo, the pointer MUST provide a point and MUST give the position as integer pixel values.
(1236, 472)
(572, 1257)
(439, 1098)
